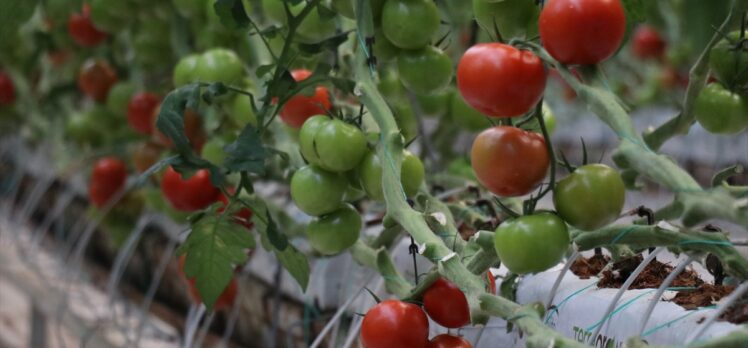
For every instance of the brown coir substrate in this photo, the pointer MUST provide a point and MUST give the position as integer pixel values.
(707, 295)
(585, 268)
(651, 277)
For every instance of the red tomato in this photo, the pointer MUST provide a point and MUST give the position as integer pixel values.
(191, 194)
(140, 112)
(301, 107)
(448, 341)
(509, 161)
(395, 324)
(446, 304)
(224, 301)
(7, 90)
(243, 216)
(82, 29)
(648, 43)
(95, 78)
(582, 31)
(491, 283)
(107, 179)
(500, 80)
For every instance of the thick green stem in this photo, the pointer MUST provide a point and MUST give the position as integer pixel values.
(390, 151)
(642, 237)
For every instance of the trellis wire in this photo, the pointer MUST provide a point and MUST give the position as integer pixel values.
(623, 289)
(557, 283)
(665, 284)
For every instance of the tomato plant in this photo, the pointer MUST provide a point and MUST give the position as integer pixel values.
(335, 232)
(445, 303)
(393, 323)
(499, 80)
(448, 341)
(410, 24)
(188, 194)
(531, 243)
(370, 174)
(320, 142)
(648, 43)
(582, 31)
(140, 111)
(509, 161)
(119, 97)
(243, 216)
(466, 116)
(721, 111)
(82, 29)
(7, 90)
(301, 107)
(145, 155)
(107, 179)
(316, 191)
(590, 197)
(95, 78)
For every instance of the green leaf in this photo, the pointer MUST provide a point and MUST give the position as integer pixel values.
(13, 14)
(247, 153)
(170, 118)
(232, 13)
(291, 258)
(345, 85)
(263, 70)
(213, 248)
(330, 43)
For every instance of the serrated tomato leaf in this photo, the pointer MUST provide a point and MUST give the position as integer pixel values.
(247, 153)
(271, 238)
(213, 248)
(330, 43)
(170, 117)
(231, 13)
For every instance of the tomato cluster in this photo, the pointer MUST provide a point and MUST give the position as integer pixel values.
(393, 323)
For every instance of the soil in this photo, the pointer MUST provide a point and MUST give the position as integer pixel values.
(651, 277)
(707, 295)
(585, 268)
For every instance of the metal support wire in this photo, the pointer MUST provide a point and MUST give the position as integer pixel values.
(560, 277)
(624, 287)
(658, 295)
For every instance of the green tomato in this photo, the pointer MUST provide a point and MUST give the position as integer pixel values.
(332, 144)
(590, 197)
(186, 69)
(435, 104)
(410, 24)
(721, 111)
(219, 65)
(406, 121)
(391, 87)
(549, 118)
(312, 30)
(383, 49)
(531, 243)
(333, 233)
(240, 110)
(425, 71)
(83, 128)
(370, 175)
(316, 191)
(514, 18)
(729, 65)
(213, 152)
(466, 116)
(119, 97)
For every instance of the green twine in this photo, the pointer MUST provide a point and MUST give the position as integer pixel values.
(622, 234)
(666, 324)
(575, 293)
